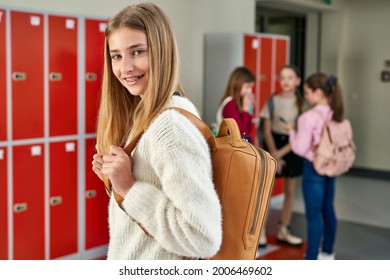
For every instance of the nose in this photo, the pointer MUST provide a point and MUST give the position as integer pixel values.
(126, 64)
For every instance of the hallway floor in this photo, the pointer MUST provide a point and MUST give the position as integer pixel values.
(358, 237)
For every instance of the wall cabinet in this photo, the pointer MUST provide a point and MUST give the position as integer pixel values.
(3, 80)
(27, 75)
(51, 203)
(3, 204)
(63, 198)
(62, 76)
(28, 207)
(94, 36)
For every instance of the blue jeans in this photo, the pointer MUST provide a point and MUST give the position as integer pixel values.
(318, 194)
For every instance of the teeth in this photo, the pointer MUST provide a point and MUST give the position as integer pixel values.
(133, 79)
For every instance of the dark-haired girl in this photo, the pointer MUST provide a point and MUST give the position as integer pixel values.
(324, 94)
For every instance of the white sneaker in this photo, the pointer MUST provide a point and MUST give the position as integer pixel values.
(326, 257)
(263, 239)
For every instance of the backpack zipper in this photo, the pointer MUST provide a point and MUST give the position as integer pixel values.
(255, 218)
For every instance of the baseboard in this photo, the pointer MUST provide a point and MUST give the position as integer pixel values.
(370, 173)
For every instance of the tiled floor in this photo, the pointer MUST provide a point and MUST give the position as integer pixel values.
(363, 210)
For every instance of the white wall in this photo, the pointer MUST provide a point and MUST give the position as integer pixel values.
(355, 44)
(190, 19)
(365, 45)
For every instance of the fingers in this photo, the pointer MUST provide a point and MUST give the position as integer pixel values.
(108, 164)
(115, 150)
(97, 165)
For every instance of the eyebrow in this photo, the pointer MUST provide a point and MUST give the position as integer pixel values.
(132, 47)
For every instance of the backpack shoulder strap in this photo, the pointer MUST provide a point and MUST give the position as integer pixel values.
(270, 104)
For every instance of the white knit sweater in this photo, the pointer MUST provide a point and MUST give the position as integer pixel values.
(173, 196)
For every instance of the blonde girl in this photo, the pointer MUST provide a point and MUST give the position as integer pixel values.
(170, 208)
(287, 105)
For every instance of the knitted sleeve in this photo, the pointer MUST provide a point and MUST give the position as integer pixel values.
(181, 210)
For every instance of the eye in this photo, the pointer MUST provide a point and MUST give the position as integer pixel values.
(138, 52)
(116, 56)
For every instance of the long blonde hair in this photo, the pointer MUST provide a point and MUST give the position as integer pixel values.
(121, 112)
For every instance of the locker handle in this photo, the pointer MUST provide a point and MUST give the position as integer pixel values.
(263, 77)
(55, 200)
(90, 76)
(19, 76)
(90, 194)
(20, 207)
(53, 76)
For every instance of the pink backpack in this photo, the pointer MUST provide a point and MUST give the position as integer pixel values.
(336, 150)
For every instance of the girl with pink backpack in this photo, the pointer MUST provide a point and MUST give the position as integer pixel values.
(324, 94)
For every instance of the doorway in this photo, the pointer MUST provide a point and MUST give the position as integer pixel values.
(282, 22)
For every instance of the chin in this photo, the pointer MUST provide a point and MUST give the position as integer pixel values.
(136, 91)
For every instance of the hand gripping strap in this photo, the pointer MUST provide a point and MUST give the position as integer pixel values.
(131, 146)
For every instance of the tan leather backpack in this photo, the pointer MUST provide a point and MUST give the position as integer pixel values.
(243, 177)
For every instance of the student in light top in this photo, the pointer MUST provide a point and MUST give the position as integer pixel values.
(286, 107)
(324, 94)
(170, 208)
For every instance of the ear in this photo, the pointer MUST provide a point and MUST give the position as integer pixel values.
(318, 92)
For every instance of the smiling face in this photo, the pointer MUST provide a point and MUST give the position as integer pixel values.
(130, 59)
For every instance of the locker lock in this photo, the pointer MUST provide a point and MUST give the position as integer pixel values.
(20, 207)
(55, 76)
(90, 194)
(55, 200)
(19, 76)
(90, 76)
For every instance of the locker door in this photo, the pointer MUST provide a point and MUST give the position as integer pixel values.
(281, 59)
(3, 205)
(28, 202)
(265, 70)
(62, 75)
(27, 75)
(63, 199)
(94, 51)
(3, 86)
(96, 201)
(251, 61)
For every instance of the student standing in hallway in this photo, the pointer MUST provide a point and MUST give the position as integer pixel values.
(324, 93)
(237, 101)
(170, 209)
(286, 107)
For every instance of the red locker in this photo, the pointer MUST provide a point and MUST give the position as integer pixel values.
(96, 203)
(251, 61)
(28, 202)
(266, 71)
(94, 51)
(3, 205)
(281, 59)
(27, 75)
(62, 75)
(63, 199)
(3, 85)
